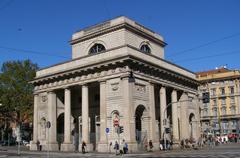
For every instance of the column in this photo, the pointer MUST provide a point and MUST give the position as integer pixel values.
(52, 117)
(67, 116)
(175, 116)
(152, 113)
(35, 119)
(67, 145)
(103, 112)
(85, 114)
(184, 121)
(163, 110)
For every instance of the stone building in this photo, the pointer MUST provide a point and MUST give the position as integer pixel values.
(117, 77)
(222, 115)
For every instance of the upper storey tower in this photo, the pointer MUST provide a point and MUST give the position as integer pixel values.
(114, 34)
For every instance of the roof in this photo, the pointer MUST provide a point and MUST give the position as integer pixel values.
(217, 75)
(210, 72)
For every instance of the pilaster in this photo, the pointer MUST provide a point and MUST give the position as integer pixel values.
(128, 121)
(33, 145)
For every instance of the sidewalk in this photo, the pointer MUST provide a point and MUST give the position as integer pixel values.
(24, 150)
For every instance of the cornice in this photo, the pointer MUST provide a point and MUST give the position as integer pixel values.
(117, 27)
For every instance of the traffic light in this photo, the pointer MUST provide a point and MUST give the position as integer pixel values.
(205, 97)
(121, 130)
(167, 130)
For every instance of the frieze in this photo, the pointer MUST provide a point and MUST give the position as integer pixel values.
(95, 75)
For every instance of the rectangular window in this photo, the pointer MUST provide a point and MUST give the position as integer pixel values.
(223, 110)
(222, 90)
(233, 110)
(214, 110)
(223, 101)
(213, 91)
(205, 112)
(231, 90)
(205, 104)
(232, 100)
(214, 102)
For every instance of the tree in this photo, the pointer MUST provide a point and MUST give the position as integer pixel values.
(15, 91)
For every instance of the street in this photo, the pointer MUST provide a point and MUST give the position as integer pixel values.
(225, 150)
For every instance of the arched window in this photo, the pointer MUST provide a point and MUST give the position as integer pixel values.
(145, 48)
(96, 48)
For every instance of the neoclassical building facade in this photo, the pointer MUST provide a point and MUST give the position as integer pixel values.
(117, 77)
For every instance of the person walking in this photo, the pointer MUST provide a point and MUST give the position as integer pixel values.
(150, 145)
(38, 145)
(84, 145)
(116, 147)
(125, 147)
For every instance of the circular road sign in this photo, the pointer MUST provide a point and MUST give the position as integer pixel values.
(107, 130)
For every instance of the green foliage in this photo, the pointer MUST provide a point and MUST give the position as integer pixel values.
(15, 89)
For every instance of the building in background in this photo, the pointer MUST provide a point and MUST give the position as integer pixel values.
(221, 116)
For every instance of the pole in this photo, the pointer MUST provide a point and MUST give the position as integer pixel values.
(107, 143)
(19, 138)
(164, 137)
(48, 145)
(119, 136)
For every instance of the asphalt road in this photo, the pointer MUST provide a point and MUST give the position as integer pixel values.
(222, 151)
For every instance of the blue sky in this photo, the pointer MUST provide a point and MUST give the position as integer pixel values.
(201, 34)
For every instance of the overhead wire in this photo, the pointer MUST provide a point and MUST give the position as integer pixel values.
(209, 56)
(32, 52)
(203, 45)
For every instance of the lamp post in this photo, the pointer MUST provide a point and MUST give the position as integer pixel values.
(1, 132)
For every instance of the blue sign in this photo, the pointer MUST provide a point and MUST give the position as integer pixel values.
(107, 130)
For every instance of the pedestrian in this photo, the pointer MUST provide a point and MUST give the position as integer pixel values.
(170, 145)
(84, 145)
(38, 145)
(150, 145)
(145, 144)
(125, 147)
(116, 147)
(182, 144)
(161, 144)
(110, 147)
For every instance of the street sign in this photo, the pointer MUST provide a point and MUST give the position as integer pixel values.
(107, 130)
(48, 124)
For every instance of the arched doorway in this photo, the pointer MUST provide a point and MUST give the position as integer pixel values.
(191, 125)
(60, 129)
(141, 125)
